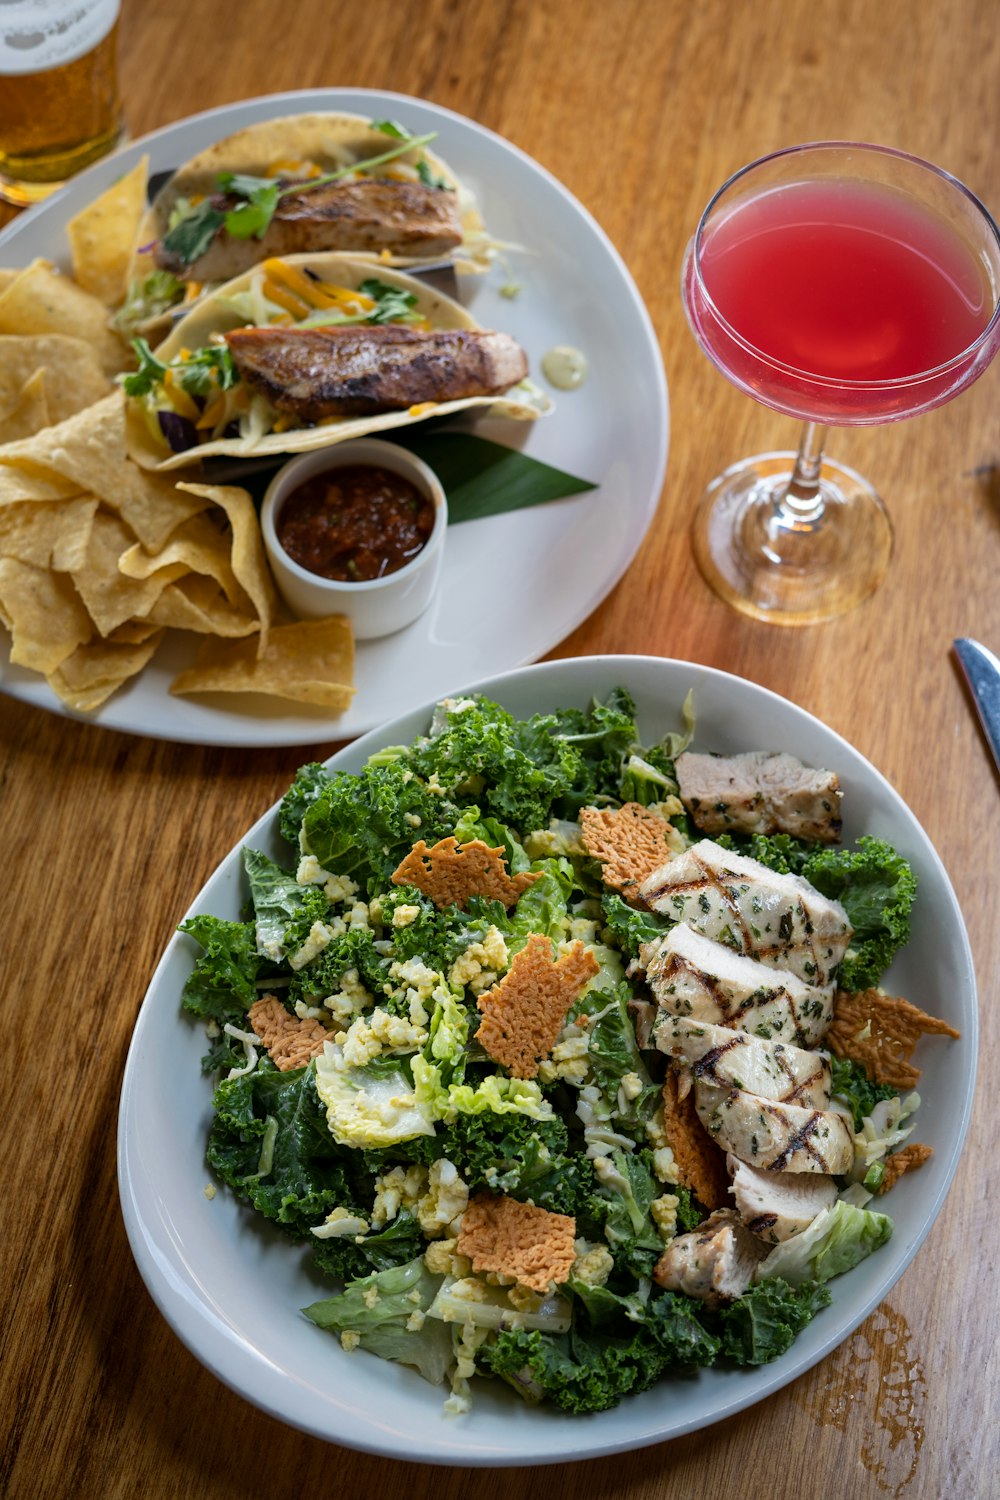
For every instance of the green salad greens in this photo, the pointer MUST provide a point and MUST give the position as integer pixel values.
(369, 1151)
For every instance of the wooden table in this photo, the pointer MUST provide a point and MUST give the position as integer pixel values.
(641, 107)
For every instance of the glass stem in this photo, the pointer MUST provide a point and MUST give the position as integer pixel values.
(800, 505)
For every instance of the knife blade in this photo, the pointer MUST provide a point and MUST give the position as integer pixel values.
(982, 673)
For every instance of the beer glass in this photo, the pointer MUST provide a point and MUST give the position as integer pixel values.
(59, 105)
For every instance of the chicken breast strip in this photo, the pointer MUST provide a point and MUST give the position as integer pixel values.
(759, 792)
(715, 1262)
(702, 980)
(733, 1059)
(779, 919)
(772, 1136)
(778, 1205)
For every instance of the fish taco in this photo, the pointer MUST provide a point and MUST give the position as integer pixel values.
(308, 350)
(300, 184)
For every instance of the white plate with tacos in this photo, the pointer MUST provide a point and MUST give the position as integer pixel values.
(544, 568)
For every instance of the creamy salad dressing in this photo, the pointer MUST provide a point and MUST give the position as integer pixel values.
(565, 367)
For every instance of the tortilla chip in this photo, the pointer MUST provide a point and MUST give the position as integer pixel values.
(75, 381)
(27, 413)
(97, 669)
(310, 661)
(40, 300)
(202, 547)
(247, 556)
(101, 236)
(110, 597)
(44, 614)
(22, 482)
(52, 535)
(197, 603)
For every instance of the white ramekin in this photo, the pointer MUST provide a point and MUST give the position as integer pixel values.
(382, 605)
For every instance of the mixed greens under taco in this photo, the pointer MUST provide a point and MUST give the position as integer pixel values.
(308, 350)
(295, 185)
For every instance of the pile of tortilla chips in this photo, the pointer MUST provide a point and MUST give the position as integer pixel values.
(99, 557)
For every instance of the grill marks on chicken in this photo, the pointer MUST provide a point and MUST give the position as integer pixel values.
(376, 214)
(779, 1137)
(734, 1059)
(715, 1262)
(778, 919)
(316, 373)
(702, 980)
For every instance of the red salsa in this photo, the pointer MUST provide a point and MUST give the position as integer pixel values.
(355, 523)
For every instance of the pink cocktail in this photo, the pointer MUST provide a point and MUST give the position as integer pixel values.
(845, 285)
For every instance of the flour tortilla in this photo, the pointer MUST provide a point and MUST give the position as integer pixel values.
(327, 141)
(215, 316)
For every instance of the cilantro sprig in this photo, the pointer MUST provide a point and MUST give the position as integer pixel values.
(251, 217)
(202, 373)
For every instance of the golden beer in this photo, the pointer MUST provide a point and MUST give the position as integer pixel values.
(59, 104)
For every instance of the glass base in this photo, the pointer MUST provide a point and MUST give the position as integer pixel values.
(31, 178)
(788, 566)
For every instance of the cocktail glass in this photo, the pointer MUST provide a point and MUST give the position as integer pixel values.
(844, 284)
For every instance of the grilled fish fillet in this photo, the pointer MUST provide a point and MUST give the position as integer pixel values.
(778, 1205)
(779, 919)
(372, 213)
(759, 792)
(732, 1059)
(313, 373)
(699, 979)
(776, 1137)
(715, 1262)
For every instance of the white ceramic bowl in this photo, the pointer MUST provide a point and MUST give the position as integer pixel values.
(379, 606)
(231, 1285)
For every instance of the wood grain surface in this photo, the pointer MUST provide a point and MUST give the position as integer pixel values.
(641, 107)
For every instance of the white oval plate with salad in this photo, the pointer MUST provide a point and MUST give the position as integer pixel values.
(232, 1288)
(544, 569)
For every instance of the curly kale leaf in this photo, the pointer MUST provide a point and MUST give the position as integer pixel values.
(284, 911)
(780, 852)
(270, 1142)
(311, 781)
(323, 976)
(766, 1320)
(631, 926)
(221, 986)
(877, 888)
(363, 825)
(852, 1083)
(592, 1371)
(504, 1153)
(341, 1258)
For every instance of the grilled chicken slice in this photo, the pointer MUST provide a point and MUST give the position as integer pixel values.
(778, 1205)
(643, 1014)
(779, 919)
(369, 214)
(715, 1262)
(313, 373)
(699, 979)
(777, 1137)
(732, 1059)
(759, 791)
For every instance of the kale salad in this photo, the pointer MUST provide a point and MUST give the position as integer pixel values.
(442, 1068)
